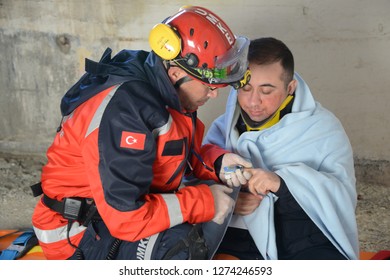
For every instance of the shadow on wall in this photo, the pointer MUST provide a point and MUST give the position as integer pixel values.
(373, 171)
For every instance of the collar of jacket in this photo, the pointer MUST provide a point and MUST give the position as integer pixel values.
(158, 78)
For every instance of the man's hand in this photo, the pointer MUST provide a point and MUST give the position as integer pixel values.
(262, 182)
(247, 203)
(233, 170)
(223, 203)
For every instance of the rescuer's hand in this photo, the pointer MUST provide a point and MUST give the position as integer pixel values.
(233, 171)
(223, 203)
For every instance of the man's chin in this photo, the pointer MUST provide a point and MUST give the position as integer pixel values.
(256, 119)
(191, 110)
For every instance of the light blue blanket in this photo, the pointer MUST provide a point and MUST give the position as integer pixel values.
(310, 150)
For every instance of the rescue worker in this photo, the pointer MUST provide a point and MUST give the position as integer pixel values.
(113, 184)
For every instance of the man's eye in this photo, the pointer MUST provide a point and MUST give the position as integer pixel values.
(266, 90)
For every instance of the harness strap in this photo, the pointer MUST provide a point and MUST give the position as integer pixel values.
(74, 208)
(37, 189)
(20, 246)
(55, 205)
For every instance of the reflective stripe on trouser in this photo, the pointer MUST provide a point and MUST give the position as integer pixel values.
(58, 234)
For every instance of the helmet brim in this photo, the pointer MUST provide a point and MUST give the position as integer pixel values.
(230, 68)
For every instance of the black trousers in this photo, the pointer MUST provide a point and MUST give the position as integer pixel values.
(239, 243)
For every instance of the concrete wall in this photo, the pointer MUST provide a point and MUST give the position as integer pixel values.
(341, 49)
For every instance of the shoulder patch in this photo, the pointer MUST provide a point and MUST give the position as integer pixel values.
(133, 140)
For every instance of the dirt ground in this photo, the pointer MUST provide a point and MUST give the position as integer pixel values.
(17, 173)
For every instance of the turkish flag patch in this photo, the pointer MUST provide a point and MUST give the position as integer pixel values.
(133, 140)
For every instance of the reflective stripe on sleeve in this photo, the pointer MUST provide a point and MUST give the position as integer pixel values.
(97, 117)
(58, 234)
(163, 129)
(174, 210)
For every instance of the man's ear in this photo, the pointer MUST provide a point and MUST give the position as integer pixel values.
(292, 86)
(175, 73)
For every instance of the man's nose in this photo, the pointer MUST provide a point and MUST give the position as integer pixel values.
(213, 93)
(255, 98)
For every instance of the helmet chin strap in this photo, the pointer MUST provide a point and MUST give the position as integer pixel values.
(182, 81)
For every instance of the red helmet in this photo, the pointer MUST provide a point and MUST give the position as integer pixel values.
(203, 45)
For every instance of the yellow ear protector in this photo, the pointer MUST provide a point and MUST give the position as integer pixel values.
(165, 41)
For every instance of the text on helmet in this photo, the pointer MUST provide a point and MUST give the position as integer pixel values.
(215, 21)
